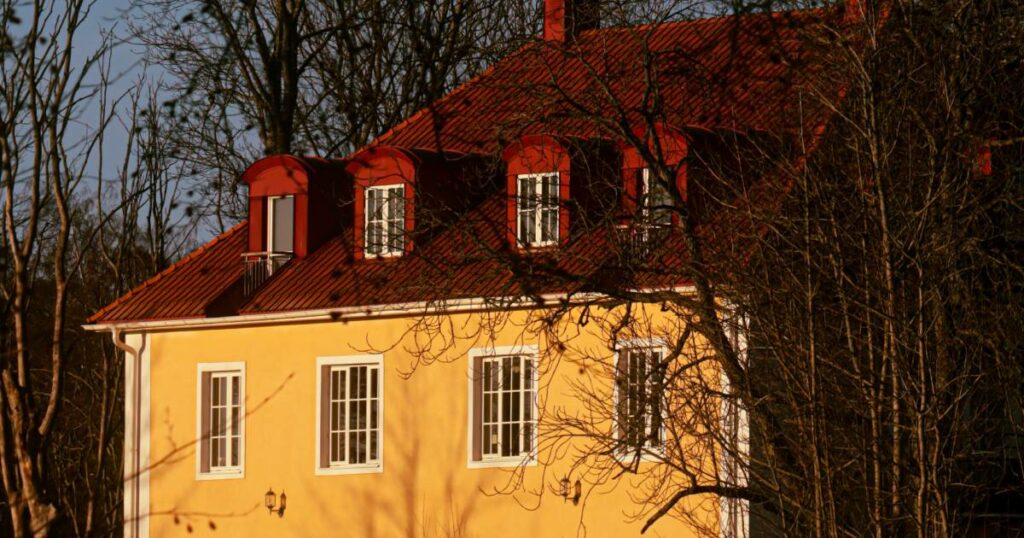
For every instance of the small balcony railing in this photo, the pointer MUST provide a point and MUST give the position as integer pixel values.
(260, 265)
(636, 240)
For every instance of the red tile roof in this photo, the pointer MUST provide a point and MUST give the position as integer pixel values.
(722, 73)
(186, 288)
(728, 72)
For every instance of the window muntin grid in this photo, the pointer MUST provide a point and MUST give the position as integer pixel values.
(537, 209)
(225, 418)
(507, 399)
(640, 387)
(385, 220)
(354, 421)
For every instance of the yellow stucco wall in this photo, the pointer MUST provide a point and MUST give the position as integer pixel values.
(425, 489)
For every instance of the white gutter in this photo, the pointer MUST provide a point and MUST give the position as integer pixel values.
(350, 313)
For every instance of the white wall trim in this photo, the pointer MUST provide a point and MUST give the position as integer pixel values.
(735, 513)
(351, 313)
(349, 360)
(530, 460)
(214, 367)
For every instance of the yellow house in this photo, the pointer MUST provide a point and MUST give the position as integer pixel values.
(465, 328)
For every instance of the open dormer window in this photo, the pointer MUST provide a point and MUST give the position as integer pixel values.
(655, 200)
(385, 220)
(537, 209)
(281, 224)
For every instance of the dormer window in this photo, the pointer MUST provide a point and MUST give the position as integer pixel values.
(537, 209)
(385, 220)
(654, 200)
(281, 224)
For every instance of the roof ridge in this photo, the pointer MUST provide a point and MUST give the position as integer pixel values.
(169, 270)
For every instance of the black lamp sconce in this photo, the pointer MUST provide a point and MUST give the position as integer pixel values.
(270, 501)
(564, 491)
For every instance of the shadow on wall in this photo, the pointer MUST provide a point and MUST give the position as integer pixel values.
(414, 497)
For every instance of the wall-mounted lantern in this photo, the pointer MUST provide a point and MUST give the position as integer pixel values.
(270, 500)
(563, 490)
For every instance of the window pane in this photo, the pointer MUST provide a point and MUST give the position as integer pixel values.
(284, 223)
(396, 218)
(215, 391)
(527, 216)
(354, 382)
(375, 237)
(549, 225)
(551, 191)
(374, 205)
(215, 452)
(526, 227)
(223, 453)
(215, 425)
(513, 439)
(352, 415)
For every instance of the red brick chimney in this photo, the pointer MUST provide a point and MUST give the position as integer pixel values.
(566, 19)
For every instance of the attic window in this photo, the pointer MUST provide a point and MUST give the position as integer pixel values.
(281, 224)
(537, 209)
(385, 220)
(655, 201)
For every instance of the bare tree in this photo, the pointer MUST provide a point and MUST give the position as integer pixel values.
(850, 270)
(309, 76)
(73, 240)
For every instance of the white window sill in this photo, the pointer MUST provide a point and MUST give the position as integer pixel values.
(518, 461)
(230, 474)
(648, 455)
(350, 470)
(538, 246)
(383, 255)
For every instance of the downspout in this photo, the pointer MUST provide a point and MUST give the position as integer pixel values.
(132, 527)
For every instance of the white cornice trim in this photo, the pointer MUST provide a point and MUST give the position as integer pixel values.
(350, 313)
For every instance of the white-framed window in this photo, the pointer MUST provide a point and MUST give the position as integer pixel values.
(220, 420)
(654, 200)
(385, 220)
(537, 209)
(503, 406)
(281, 224)
(640, 398)
(350, 414)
